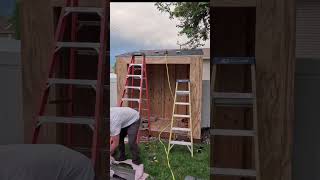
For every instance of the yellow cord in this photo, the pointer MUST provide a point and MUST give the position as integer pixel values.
(167, 151)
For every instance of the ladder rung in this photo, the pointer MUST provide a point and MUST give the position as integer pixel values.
(234, 60)
(233, 98)
(130, 99)
(234, 172)
(78, 45)
(134, 76)
(135, 65)
(84, 10)
(182, 103)
(184, 143)
(182, 92)
(232, 95)
(183, 80)
(137, 109)
(230, 132)
(180, 129)
(89, 23)
(72, 81)
(181, 116)
(132, 87)
(66, 120)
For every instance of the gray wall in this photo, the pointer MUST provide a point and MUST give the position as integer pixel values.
(11, 128)
(205, 114)
(306, 155)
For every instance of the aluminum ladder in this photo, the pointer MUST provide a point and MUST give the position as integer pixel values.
(227, 99)
(134, 90)
(70, 11)
(181, 130)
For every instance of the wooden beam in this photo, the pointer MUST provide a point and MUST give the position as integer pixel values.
(275, 53)
(234, 3)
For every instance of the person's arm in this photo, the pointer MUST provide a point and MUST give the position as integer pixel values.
(114, 142)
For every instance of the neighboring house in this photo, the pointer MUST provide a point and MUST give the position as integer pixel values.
(113, 90)
(306, 161)
(6, 28)
(11, 128)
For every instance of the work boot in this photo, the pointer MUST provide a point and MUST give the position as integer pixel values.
(136, 161)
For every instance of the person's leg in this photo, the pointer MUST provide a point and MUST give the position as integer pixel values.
(132, 135)
(122, 155)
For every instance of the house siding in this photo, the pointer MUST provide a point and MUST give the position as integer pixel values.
(308, 29)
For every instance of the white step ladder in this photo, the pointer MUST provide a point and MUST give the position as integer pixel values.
(236, 99)
(181, 130)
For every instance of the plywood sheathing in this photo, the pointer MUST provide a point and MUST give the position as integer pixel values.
(161, 100)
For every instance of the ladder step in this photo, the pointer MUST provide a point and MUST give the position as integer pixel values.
(234, 60)
(182, 92)
(135, 76)
(182, 103)
(181, 116)
(141, 109)
(183, 80)
(72, 81)
(229, 132)
(89, 23)
(234, 172)
(132, 87)
(135, 65)
(180, 129)
(66, 120)
(130, 99)
(83, 10)
(184, 143)
(78, 45)
(233, 98)
(232, 95)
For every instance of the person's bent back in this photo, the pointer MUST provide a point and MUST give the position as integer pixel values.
(43, 162)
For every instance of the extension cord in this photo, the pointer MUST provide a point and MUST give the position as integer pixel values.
(167, 153)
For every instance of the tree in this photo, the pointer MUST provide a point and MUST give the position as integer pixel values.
(15, 19)
(194, 20)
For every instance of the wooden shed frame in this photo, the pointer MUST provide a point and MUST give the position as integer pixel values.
(195, 70)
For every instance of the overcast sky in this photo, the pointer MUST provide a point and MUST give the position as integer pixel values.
(137, 26)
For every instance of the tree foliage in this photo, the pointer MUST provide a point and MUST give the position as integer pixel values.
(194, 20)
(15, 19)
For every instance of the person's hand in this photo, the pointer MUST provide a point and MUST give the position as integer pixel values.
(111, 160)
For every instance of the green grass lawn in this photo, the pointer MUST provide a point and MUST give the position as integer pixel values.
(181, 162)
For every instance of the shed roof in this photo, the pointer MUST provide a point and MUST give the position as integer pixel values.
(171, 52)
(206, 53)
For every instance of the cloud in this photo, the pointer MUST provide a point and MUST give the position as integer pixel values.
(139, 26)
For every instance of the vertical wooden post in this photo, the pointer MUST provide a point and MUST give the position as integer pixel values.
(275, 54)
(36, 23)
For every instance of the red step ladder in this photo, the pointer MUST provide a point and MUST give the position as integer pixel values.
(100, 49)
(137, 71)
